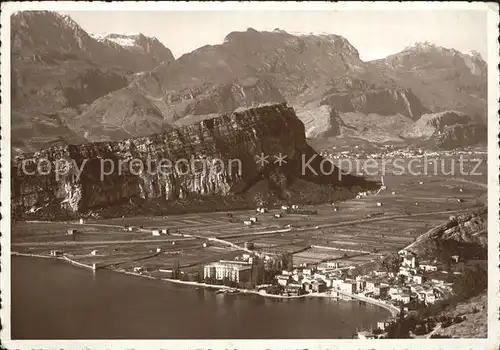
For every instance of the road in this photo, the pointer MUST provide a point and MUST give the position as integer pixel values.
(382, 218)
(480, 184)
(393, 309)
(130, 241)
(257, 233)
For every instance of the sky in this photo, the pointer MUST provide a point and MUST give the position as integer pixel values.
(375, 34)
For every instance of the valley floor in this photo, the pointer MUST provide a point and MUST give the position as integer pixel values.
(354, 232)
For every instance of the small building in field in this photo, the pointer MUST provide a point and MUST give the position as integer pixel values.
(155, 232)
(71, 232)
(284, 207)
(56, 253)
(278, 215)
(82, 221)
(164, 231)
(94, 252)
(253, 219)
(247, 222)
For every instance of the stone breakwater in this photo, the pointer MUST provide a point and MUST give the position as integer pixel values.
(242, 136)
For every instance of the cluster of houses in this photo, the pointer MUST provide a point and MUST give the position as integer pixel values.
(388, 151)
(326, 277)
(414, 284)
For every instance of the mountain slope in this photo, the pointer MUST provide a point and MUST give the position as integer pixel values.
(57, 69)
(376, 101)
(443, 79)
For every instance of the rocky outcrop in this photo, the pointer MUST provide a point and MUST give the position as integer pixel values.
(465, 234)
(462, 135)
(450, 129)
(216, 157)
(321, 122)
(382, 102)
(442, 78)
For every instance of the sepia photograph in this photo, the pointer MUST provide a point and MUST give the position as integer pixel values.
(250, 175)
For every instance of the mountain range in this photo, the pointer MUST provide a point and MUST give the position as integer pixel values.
(71, 87)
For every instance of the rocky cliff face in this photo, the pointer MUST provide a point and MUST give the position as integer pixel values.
(449, 129)
(216, 157)
(58, 69)
(465, 234)
(382, 102)
(442, 78)
(461, 135)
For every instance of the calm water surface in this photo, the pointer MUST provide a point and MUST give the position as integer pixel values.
(54, 300)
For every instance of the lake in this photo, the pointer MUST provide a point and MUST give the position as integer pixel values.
(53, 300)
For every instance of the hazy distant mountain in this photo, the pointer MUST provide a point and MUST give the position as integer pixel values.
(85, 85)
(442, 78)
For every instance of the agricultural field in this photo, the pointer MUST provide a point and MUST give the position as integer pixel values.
(352, 232)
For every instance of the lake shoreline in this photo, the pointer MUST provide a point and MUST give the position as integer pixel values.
(171, 280)
(205, 285)
(356, 320)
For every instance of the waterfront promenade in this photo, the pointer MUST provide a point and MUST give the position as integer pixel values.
(393, 309)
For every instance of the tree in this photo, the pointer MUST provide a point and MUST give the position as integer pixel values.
(470, 283)
(287, 261)
(257, 272)
(392, 263)
(176, 272)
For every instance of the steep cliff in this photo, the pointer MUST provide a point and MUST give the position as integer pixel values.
(460, 135)
(465, 234)
(378, 101)
(213, 158)
(442, 78)
(448, 129)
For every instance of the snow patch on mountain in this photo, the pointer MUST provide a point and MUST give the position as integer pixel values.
(122, 39)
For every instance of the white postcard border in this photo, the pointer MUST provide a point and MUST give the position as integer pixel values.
(493, 340)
